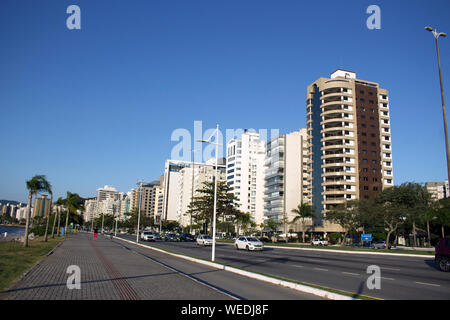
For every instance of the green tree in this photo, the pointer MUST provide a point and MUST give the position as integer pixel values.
(202, 206)
(35, 185)
(397, 204)
(347, 215)
(244, 221)
(72, 203)
(442, 216)
(303, 211)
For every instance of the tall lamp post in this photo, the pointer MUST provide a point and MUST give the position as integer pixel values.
(216, 143)
(436, 36)
(139, 210)
(192, 191)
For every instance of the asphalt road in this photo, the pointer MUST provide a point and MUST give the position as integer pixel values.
(401, 277)
(230, 285)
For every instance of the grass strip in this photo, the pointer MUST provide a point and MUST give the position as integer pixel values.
(15, 260)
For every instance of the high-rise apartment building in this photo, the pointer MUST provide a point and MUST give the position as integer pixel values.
(41, 206)
(108, 201)
(350, 150)
(151, 198)
(286, 175)
(190, 182)
(245, 173)
(178, 186)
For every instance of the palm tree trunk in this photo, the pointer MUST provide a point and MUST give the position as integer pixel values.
(30, 198)
(54, 223)
(67, 221)
(59, 221)
(443, 233)
(429, 235)
(414, 233)
(48, 220)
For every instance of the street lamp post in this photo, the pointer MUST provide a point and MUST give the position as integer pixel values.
(216, 143)
(139, 210)
(192, 191)
(436, 36)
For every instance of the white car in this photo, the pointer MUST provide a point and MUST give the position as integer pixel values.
(318, 242)
(249, 243)
(204, 240)
(147, 236)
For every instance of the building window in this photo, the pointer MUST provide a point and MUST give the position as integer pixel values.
(366, 188)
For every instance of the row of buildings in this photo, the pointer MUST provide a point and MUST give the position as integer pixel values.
(18, 211)
(344, 153)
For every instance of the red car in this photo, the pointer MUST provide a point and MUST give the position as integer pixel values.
(442, 255)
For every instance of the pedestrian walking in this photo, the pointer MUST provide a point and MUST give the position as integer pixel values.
(95, 233)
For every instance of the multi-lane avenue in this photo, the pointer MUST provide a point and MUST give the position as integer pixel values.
(402, 277)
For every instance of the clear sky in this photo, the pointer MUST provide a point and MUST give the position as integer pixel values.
(98, 106)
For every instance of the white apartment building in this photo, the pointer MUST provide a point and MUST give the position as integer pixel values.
(90, 209)
(286, 176)
(108, 201)
(245, 173)
(178, 186)
(192, 179)
(438, 190)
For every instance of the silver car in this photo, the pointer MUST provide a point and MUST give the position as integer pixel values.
(379, 245)
(249, 243)
(204, 240)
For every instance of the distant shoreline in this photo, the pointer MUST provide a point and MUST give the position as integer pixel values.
(13, 225)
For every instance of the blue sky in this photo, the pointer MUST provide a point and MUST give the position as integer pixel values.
(98, 106)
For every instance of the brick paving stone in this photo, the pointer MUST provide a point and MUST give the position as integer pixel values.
(108, 272)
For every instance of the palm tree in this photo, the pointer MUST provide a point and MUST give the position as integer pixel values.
(59, 203)
(35, 185)
(48, 188)
(242, 221)
(303, 211)
(73, 202)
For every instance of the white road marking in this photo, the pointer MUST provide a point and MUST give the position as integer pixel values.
(313, 260)
(395, 269)
(428, 284)
(387, 278)
(297, 266)
(321, 269)
(351, 273)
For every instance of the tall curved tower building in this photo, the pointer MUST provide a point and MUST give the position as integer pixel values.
(349, 141)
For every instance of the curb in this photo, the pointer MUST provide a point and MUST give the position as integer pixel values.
(299, 287)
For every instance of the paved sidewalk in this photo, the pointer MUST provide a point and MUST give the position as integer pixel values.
(108, 272)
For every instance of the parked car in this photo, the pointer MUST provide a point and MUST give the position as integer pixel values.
(204, 240)
(249, 243)
(147, 236)
(319, 242)
(265, 240)
(442, 254)
(186, 237)
(171, 237)
(379, 245)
